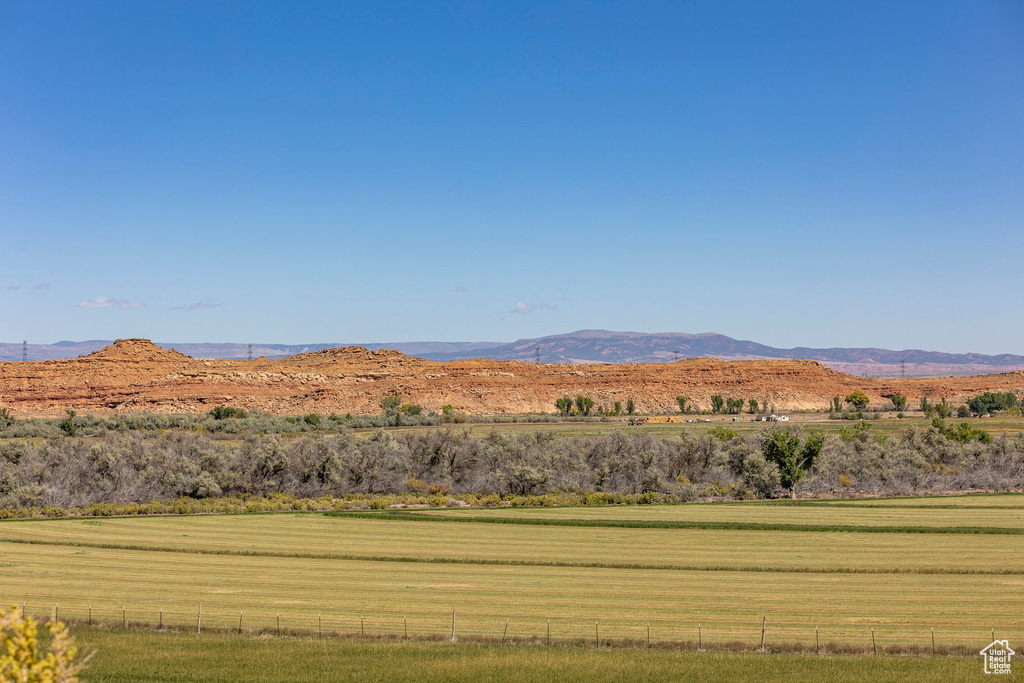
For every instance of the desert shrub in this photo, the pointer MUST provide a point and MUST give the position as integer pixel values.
(23, 661)
(722, 433)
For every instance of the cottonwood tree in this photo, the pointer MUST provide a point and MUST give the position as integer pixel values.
(583, 404)
(783, 448)
(858, 400)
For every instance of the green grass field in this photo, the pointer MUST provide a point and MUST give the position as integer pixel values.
(142, 657)
(372, 575)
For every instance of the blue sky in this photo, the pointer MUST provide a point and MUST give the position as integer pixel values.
(796, 173)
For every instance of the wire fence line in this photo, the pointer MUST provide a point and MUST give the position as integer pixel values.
(708, 634)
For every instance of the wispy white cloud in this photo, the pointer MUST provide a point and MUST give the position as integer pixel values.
(197, 306)
(525, 309)
(522, 308)
(14, 288)
(107, 302)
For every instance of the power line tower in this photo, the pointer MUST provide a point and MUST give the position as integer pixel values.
(675, 356)
(903, 369)
(24, 350)
(537, 355)
(250, 351)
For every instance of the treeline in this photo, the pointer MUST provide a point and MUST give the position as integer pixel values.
(235, 421)
(584, 406)
(982, 405)
(140, 467)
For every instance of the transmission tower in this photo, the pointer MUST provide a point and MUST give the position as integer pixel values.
(903, 368)
(675, 356)
(537, 355)
(250, 351)
(24, 350)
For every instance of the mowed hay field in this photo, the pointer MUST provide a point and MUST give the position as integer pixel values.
(901, 568)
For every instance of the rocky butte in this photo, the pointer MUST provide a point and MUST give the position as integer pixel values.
(134, 375)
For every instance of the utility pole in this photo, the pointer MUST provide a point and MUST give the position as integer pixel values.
(250, 351)
(24, 350)
(537, 351)
(903, 369)
(675, 356)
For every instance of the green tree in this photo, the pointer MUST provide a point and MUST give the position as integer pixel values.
(836, 405)
(858, 400)
(683, 408)
(411, 409)
(67, 425)
(564, 405)
(630, 407)
(717, 403)
(943, 409)
(733, 406)
(783, 449)
(583, 404)
(752, 406)
(224, 412)
(618, 407)
(899, 402)
(990, 402)
(927, 408)
(390, 404)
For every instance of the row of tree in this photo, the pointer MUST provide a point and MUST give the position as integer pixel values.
(142, 467)
(983, 404)
(721, 405)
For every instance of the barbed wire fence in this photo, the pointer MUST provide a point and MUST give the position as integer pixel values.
(474, 626)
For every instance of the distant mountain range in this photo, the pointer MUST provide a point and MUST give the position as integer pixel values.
(598, 346)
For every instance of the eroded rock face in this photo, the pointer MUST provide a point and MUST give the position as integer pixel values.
(136, 375)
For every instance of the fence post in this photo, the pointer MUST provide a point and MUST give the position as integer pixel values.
(240, 623)
(278, 623)
(817, 648)
(933, 640)
(549, 632)
(56, 611)
(699, 644)
(505, 633)
(161, 626)
(319, 625)
(405, 622)
(762, 633)
(453, 626)
(199, 620)
(124, 617)
(873, 650)
(597, 636)
(362, 631)
(648, 635)
(90, 615)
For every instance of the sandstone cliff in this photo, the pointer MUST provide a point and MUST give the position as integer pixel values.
(136, 375)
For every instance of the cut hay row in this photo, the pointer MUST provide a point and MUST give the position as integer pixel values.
(318, 536)
(901, 608)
